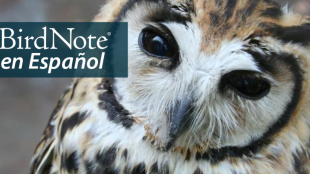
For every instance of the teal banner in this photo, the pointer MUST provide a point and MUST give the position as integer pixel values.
(63, 49)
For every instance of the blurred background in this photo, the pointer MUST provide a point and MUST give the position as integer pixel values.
(26, 104)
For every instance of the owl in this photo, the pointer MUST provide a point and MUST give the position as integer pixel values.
(213, 87)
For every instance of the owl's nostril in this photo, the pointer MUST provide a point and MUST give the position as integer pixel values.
(180, 119)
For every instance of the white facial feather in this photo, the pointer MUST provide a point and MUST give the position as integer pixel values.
(199, 75)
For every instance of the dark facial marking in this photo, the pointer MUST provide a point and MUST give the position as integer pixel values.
(115, 110)
(186, 7)
(198, 171)
(107, 157)
(300, 162)
(188, 155)
(248, 11)
(273, 12)
(215, 18)
(164, 169)
(294, 34)
(99, 170)
(226, 9)
(291, 63)
(89, 167)
(154, 169)
(165, 14)
(105, 161)
(71, 163)
(139, 169)
(73, 89)
(230, 7)
(125, 154)
(266, 64)
(294, 67)
(217, 155)
(71, 122)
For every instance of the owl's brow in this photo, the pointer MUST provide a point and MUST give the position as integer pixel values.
(295, 34)
(162, 11)
(163, 15)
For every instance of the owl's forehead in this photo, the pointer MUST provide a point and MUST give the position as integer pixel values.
(217, 20)
(221, 20)
(225, 12)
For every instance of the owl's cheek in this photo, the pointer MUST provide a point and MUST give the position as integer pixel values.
(156, 133)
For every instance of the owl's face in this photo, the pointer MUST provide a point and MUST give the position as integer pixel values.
(212, 74)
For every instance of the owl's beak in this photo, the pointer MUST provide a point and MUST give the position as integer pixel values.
(180, 119)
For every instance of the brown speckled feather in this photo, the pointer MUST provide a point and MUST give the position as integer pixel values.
(44, 152)
(191, 113)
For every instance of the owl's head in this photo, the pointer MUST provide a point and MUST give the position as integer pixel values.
(211, 74)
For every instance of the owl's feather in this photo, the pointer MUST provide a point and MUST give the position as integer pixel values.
(123, 126)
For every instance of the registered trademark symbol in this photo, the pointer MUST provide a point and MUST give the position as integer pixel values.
(109, 33)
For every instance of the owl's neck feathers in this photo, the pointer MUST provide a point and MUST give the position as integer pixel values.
(116, 112)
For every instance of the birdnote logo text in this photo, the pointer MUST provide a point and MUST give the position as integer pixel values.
(81, 49)
(53, 62)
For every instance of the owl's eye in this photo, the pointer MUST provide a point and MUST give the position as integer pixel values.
(247, 84)
(157, 44)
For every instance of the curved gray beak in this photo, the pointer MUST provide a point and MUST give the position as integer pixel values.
(180, 119)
